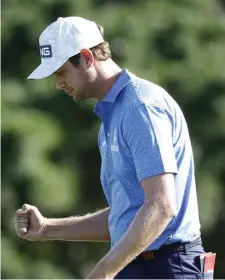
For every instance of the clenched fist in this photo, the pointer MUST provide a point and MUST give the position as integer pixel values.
(29, 223)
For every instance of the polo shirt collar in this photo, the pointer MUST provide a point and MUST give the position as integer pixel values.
(117, 87)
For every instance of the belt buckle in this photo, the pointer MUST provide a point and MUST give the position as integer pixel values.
(148, 255)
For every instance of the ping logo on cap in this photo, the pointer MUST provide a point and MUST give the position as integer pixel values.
(46, 51)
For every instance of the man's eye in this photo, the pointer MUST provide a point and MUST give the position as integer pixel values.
(59, 74)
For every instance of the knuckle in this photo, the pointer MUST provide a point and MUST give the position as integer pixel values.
(17, 227)
(26, 206)
(17, 220)
(18, 213)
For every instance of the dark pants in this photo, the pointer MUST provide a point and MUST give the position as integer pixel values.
(167, 263)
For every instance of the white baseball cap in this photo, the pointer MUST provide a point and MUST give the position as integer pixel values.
(63, 39)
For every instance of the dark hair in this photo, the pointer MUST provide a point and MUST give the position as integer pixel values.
(100, 52)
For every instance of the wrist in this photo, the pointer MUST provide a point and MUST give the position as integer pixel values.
(43, 229)
(59, 229)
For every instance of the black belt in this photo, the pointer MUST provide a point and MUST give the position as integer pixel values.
(175, 247)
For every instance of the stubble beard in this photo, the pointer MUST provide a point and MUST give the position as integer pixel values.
(82, 95)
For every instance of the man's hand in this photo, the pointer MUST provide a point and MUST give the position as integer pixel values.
(29, 223)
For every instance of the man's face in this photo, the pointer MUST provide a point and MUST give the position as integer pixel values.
(77, 82)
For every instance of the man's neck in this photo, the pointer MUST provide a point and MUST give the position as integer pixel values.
(108, 73)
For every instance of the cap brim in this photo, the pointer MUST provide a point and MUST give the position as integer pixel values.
(44, 70)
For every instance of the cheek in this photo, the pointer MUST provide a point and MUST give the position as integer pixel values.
(74, 81)
(71, 82)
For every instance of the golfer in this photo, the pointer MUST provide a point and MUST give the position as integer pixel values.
(147, 168)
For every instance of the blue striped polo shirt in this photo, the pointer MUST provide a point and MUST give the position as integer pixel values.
(144, 133)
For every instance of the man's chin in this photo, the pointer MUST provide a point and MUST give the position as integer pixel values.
(77, 98)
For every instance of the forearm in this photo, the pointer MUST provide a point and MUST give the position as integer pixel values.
(91, 227)
(148, 224)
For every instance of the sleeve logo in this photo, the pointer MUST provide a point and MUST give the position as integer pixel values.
(46, 51)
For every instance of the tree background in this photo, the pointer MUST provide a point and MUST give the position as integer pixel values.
(50, 156)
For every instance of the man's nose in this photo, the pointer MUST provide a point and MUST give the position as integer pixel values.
(60, 85)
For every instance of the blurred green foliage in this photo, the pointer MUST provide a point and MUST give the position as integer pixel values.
(49, 143)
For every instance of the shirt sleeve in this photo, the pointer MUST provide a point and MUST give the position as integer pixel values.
(148, 134)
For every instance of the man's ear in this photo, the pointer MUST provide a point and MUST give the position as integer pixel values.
(87, 57)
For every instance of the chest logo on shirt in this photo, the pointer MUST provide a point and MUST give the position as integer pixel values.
(114, 147)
